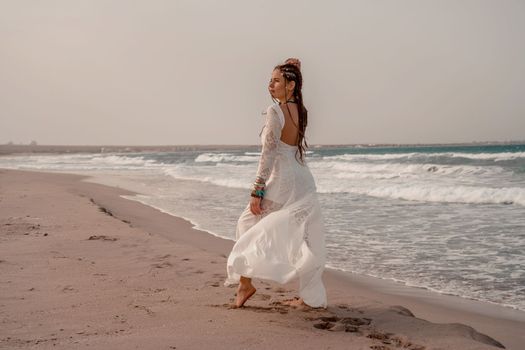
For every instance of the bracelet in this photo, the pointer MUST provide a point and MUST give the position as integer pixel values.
(259, 181)
(258, 187)
(257, 193)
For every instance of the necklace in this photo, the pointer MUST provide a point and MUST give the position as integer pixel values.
(290, 101)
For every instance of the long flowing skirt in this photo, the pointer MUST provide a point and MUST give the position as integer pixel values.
(288, 240)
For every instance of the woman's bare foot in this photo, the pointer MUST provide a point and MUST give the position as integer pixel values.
(295, 302)
(243, 294)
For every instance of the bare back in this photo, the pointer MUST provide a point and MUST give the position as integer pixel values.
(290, 132)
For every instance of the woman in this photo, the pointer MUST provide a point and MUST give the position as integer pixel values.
(280, 234)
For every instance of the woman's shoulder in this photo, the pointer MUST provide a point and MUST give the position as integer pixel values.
(274, 110)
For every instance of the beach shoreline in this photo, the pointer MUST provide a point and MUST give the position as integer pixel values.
(24, 195)
(25, 149)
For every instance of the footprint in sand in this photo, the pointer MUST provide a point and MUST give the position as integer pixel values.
(102, 237)
(262, 297)
(162, 265)
(394, 340)
(162, 257)
(215, 283)
(212, 284)
(340, 324)
(68, 288)
(142, 307)
(269, 309)
(346, 307)
(281, 310)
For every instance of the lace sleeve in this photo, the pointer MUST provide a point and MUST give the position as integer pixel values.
(270, 139)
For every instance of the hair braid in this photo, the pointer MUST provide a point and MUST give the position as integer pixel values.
(291, 72)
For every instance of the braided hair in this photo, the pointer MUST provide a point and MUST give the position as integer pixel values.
(291, 71)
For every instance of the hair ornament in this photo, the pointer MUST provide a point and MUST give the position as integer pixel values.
(293, 61)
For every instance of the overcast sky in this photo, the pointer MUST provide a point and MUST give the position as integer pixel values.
(152, 72)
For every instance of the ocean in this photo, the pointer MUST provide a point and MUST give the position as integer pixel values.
(450, 219)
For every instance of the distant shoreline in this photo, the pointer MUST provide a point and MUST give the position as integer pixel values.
(60, 149)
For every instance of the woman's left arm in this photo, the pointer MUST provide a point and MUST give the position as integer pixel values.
(271, 137)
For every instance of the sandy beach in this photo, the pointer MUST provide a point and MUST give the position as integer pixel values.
(82, 267)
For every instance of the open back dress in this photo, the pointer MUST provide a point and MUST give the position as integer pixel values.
(287, 240)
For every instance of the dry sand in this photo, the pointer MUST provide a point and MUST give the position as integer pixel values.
(82, 267)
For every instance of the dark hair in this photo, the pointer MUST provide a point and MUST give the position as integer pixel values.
(291, 71)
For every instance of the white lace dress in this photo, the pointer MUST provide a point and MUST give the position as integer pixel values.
(287, 241)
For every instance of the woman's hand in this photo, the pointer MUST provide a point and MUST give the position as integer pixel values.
(255, 206)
